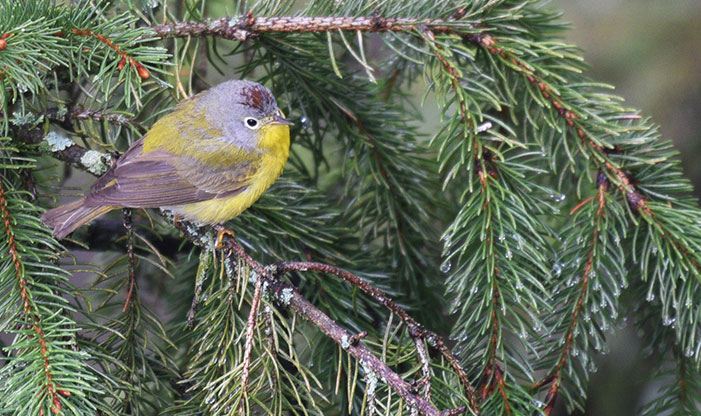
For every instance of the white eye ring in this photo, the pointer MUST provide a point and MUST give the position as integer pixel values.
(251, 123)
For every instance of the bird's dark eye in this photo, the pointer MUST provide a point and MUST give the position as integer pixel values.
(251, 122)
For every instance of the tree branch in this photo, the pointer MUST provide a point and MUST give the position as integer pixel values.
(624, 181)
(415, 328)
(247, 26)
(140, 69)
(30, 315)
(555, 377)
(288, 296)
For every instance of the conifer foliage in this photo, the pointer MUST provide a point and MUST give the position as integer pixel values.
(474, 264)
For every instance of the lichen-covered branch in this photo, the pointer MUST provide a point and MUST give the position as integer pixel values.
(415, 328)
(248, 26)
(288, 296)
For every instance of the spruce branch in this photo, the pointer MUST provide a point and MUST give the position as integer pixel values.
(79, 113)
(455, 78)
(492, 371)
(43, 371)
(51, 391)
(137, 66)
(554, 378)
(568, 112)
(485, 161)
(598, 151)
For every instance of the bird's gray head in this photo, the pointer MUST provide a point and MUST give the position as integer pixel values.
(241, 108)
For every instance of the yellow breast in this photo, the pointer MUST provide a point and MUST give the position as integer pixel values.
(275, 143)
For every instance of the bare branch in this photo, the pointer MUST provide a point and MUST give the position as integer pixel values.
(246, 26)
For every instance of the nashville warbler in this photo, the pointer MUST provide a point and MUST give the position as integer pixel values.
(207, 161)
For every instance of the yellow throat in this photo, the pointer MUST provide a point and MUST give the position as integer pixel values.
(274, 142)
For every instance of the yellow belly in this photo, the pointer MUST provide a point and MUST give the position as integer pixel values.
(276, 142)
(220, 210)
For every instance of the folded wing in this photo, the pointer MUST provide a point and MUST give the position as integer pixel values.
(157, 179)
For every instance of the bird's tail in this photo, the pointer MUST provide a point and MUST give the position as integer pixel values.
(66, 218)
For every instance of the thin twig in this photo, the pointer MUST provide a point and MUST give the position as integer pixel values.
(202, 267)
(78, 113)
(425, 367)
(270, 344)
(580, 205)
(138, 67)
(429, 38)
(250, 329)
(131, 257)
(492, 372)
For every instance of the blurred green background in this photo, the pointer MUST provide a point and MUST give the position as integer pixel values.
(650, 50)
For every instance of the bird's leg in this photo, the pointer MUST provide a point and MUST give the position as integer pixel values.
(220, 236)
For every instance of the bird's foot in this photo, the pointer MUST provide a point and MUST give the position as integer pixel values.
(220, 236)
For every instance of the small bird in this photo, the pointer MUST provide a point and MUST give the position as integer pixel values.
(207, 161)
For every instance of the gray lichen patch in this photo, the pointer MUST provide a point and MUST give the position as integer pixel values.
(93, 162)
(57, 142)
(285, 296)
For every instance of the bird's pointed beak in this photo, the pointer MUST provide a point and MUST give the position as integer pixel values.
(279, 119)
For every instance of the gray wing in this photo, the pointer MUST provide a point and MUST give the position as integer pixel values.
(157, 179)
